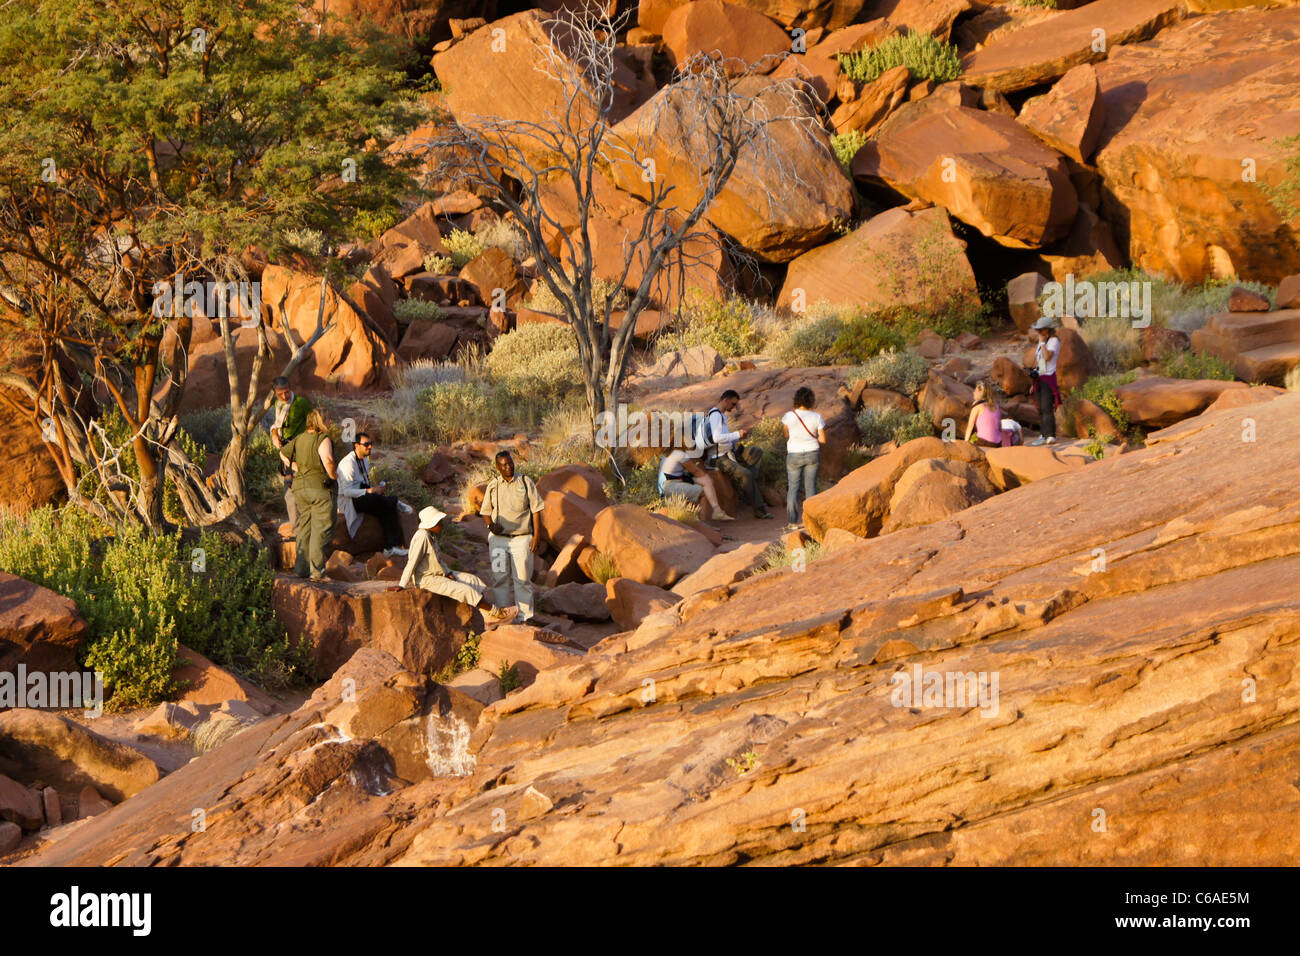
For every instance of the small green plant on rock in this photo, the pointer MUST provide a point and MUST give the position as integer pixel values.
(925, 56)
(508, 675)
(744, 763)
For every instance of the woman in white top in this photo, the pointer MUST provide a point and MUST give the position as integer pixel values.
(1049, 396)
(805, 433)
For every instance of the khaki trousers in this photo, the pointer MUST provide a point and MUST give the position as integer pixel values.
(459, 586)
(512, 563)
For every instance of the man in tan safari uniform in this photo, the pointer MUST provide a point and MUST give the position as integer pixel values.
(511, 507)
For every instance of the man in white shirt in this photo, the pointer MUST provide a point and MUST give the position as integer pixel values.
(715, 433)
(358, 496)
(1046, 352)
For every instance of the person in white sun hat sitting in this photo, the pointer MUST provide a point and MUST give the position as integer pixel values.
(426, 570)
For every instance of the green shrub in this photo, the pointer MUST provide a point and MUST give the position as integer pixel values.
(143, 593)
(900, 371)
(373, 223)
(500, 234)
(642, 486)
(113, 440)
(1114, 343)
(727, 325)
(679, 508)
(466, 659)
(439, 265)
(603, 568)
(537, 363)
(779, 556)
(1285, 196)
(808, 344)
(411, 310)
(459, 411)
(262, 469)
(210, 427)
(877, 426)
(464, 246)
(924, 55)
(1100, 390)
(543, 299)
(1183, 307)
(865, 336)
(846, 145)
(768, 435)
(403, 480)
(309, 241)
(1196, 365)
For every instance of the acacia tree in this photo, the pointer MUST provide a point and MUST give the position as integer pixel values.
(715, 117)
(146, 140)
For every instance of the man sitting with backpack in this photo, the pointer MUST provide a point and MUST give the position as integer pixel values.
(720, 448)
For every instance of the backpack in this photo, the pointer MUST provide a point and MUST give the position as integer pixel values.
(702, 430)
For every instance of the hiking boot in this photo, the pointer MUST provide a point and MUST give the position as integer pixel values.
(763, 514)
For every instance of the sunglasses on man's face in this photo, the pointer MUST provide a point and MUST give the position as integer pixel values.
(365, 444)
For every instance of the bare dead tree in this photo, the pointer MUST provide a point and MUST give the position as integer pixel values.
(715, 118)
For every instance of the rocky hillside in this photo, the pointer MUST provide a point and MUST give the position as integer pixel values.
(1132, 622)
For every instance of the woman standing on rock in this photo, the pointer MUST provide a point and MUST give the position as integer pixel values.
(805, 433)
(1049, 396)
(311, 455)
(986, 420)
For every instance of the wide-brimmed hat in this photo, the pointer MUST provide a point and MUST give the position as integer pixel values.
(1044, 322)
(429, 517)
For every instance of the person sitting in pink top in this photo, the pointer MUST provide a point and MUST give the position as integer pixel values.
(986, 421)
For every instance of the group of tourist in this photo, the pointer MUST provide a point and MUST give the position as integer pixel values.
(316, 486)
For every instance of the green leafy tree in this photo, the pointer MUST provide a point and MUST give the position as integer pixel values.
(144, 143)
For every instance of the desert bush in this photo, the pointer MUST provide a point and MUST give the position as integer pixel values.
(542, 299)
(459, 411)
(726, 324)
(1100, 390)
(372, 223)
(808, 343)
(506, 236)
(1176, 305)
(422, 373)
(463, 245)
(603, 568)
(466, 659)
(865, 336)
(113, 440)
(262, 469)
(679, 508)
(846, 145)
(403, 480)
(1285, 196)
(537, 364)
(768, 435)
(779, 556)
(411, 310)
(1196, 365)
(877, 426)
(925, 56)
(1292, 380)
(309, 241)
(439, 265)
(898, 370)
(143, 593)
(1114, 342)
(210, 427)
(642, 484)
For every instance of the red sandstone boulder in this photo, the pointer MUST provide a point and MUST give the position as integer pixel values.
(38, 745)
(726, 567)
(522, 647)
(573, 496)
(946, 400)
(1069, 117)
(420, 629)
(579, 601)
(630, 602)
(1009, 377)
(648, 547)
(743, 38)
(1047, 50)
(1288, 293)
(859, 503)
(1022, 299)
(204, 683)
(772, 213)
(38, 628)
(1157, 402)
(1241, 299)
(933, 488)
(1093, 421)
(1021, 464)
(351, 355)
(895, 258)
(984, 168)
(493, 275)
